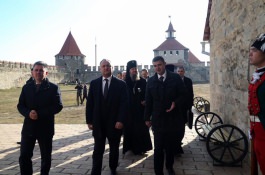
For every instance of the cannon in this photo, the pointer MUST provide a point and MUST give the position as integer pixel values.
(226, 144)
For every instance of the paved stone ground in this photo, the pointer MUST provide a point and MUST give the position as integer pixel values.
(73, 147)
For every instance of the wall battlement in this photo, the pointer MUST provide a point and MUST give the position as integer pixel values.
(15, 74)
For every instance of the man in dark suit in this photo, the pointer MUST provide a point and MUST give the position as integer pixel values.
(186, 107)
(39, 101)
(144, 74)
(106, 109)
(164, 94)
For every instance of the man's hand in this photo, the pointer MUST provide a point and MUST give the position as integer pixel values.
(33, 115)
(171, 107)
(118, 125)
(148, 123)
(143, 103)
(90, 126)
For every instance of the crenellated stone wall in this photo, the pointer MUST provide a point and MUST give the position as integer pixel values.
(233, 26)
(15, 74)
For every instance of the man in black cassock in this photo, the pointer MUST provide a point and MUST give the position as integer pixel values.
(136, 133)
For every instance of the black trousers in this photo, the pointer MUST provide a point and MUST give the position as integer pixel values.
(165, 143)
(26, 153)
(99, 148)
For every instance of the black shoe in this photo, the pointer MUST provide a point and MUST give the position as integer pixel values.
(171, 171)
(18, 143)
(113, 172)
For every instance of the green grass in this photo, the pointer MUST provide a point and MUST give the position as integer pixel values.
(71, 113)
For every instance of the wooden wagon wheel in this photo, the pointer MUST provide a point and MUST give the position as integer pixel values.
(198, 102)
(207, 118)
(201, 104)
(227, 144)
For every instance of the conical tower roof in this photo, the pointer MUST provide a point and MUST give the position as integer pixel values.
(70, 48)
(170, 28)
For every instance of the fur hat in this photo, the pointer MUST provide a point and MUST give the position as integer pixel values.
(131, 64)
(259, 43)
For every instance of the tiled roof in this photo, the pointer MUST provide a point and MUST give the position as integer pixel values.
(170, 28)
(206, 34)
(70, 47)
(170, 44)
(193, 59)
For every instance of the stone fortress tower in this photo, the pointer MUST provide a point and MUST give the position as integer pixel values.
(70, 64)
(174, 52)
(71, 59)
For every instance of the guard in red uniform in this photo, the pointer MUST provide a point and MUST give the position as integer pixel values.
(256, 100)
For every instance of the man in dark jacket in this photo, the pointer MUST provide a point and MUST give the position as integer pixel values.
(79, 89)
(39, 101)
(164, 94)
(186, 107)
(106, 109)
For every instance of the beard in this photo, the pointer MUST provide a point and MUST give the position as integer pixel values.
(135, 77)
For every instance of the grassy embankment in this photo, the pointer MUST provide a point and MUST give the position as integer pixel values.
(71, 113)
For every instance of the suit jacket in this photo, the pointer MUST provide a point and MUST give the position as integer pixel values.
(115, 108)
(159, 97)
(46, 101)
(190, 95)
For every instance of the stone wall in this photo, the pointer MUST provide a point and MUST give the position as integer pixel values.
(15, 74)
(233, 26)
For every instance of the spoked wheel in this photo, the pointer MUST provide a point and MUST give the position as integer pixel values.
(227, 144)
(198, 103)
(207, 118)
(201, 104)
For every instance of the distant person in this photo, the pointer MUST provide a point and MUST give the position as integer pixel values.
(123, 75)
(186, 107)
(165, 92)
(84, 93)
(31, 78)
(119, 75)
(79, 89)
(136, 134)
(256, 103)
(106, 110)
(39, 101)
(144, 74)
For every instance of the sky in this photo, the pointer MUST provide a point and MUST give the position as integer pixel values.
(123, 30)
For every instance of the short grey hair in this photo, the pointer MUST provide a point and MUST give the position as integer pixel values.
(40, 63)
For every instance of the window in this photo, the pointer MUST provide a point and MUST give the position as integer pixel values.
(165, 53)
(177, 52)
(170, 52)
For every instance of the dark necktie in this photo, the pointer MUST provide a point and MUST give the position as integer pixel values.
(106, 89)
(161, 78)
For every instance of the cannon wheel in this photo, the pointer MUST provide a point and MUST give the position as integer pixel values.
(199, 103)
(230, 148)
(207, 118)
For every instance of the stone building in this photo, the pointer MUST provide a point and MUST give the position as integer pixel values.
(70, 64)
(70, 58)
(178, 55)
(174, 52)
(230, 27)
